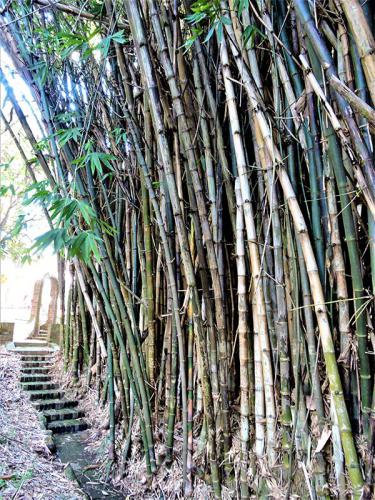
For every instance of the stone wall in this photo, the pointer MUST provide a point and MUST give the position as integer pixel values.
(6, 333)
(7, 329)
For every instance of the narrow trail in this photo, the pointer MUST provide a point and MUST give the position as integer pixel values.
(28, 469)
(60, 416)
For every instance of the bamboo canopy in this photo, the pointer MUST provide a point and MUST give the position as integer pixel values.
(207, 170)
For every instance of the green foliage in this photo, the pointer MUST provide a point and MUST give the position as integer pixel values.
(119, 135)
(96, 8)
(66, 135)
(6, 165)
(70, 42)
(65, 212)
(249, 35)
(61, 209)
(63, 136)
(241, 5)
(105, 43)
(7, 189)
(42, 145)
(86, 44)
(66, 117)
(82, 245)
(58, 237)
(19, 225)
(41, 69)
(205, 15)
(38, 192)
(13, 222)
(95, 160)
(203, 10)
(11, 243)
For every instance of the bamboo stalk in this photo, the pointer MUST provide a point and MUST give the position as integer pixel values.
(221, 155)
(243, 342)
(356, 102)
(364, 40)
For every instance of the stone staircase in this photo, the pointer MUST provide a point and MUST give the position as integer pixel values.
(41, 334)
(60, 415)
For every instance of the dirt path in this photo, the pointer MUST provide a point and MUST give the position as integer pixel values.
(27, 468)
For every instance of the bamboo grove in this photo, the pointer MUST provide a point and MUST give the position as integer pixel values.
(207, 171)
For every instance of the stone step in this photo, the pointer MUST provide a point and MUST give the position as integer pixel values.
(54, 404)
(37, 357)
(35, 365)
(35, 377)
(37, 362)
(73, 425)
(39, 386)
(35, 343)
(63, 414)
(34, 352)
(42, 370)
(45, 394)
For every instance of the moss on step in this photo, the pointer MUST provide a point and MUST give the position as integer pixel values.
(56, 404)
(71, 425)
(61, 414)
(45, 394)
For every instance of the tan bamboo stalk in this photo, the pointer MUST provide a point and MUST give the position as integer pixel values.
(207, 395)
(356, 102)
(344, 48)
(316, 286)
(259, 405)
(190, 395)
(120, 57)
(90, 307)
(300, 433)
(220, 144)
(201, 205)
(281, 313)
(364, 39)
(75, 11)
(178, 170)
(341, 134)
(128, 258)
(172, 301)
(339, 273)
(325, 335)
(254, 252)
(210, 174)
(284, 77)
(243, 332)
(251, 54)
(338, 454)
(151, 336)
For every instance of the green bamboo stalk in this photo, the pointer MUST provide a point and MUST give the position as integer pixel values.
(84, 326)
(112, 418)
(136, 24)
